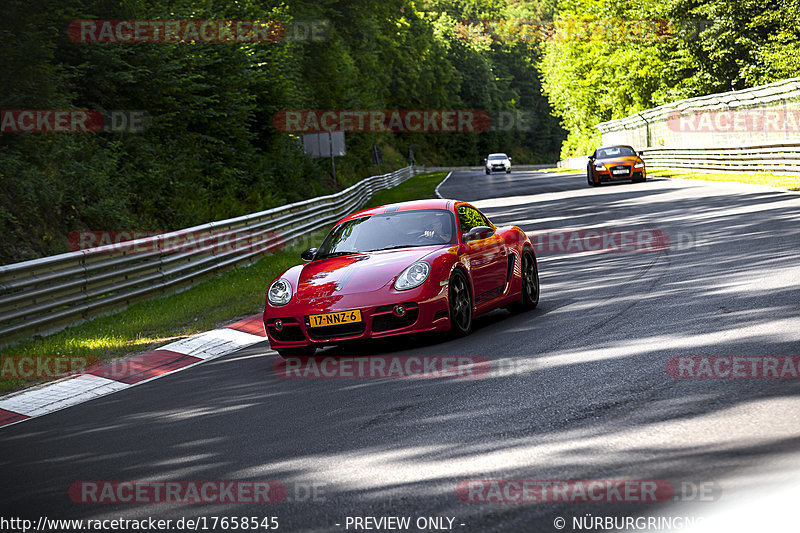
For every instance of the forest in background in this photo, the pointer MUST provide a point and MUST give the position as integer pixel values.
(211, 151)
(624, 56)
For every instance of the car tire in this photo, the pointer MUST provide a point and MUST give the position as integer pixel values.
(529, 297)
(488, 172)
(304, 351)
(508, 171)
(589, 179)
(460, 302)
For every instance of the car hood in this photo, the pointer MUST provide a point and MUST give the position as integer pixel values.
(356, 273)
(619, 160)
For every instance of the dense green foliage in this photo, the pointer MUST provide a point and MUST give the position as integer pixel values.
(211, 151)
(702, 47)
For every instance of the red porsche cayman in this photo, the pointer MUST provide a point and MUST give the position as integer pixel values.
(413, 267)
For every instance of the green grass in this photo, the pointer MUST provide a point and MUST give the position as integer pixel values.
(791, 183)
(211, 303)
(420, 187)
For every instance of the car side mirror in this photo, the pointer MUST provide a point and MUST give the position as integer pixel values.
(477, 233)
(509, 159)
(640, 154)
(308, 255)
(591, 158)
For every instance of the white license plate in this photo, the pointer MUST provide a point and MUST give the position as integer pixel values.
(618, 172)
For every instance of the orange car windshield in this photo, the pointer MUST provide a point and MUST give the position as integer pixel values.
(615, 151)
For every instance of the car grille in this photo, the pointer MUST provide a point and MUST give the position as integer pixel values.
(620, 167)
(291, 330)
(338, 331)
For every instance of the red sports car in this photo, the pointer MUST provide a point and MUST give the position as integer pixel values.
(413, 267)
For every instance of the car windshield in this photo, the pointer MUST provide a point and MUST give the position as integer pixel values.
(388, 231)
(615, 151)
(497, 156)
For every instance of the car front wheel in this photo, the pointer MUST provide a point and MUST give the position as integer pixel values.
(529, 297)
(589, 179)
(460, 305)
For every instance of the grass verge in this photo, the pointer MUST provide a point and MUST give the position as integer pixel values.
(791, 183)
(211, 303)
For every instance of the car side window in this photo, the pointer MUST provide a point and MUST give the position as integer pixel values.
(469, 217)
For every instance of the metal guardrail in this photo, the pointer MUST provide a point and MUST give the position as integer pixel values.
(480, 168)
(764, 114)
(46, 294)
(779, 158)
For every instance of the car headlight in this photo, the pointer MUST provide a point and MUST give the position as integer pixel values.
(640, 164)
(599, 166)
(280, 292)
(413, 276)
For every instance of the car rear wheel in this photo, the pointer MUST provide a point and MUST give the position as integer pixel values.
(304, 351)
(529, 297)
(460, 305)
(488, 171)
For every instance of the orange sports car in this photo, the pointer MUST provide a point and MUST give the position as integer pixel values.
(613, 163)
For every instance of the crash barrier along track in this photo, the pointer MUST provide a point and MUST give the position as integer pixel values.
(763, 115)
(780, 158)
(751, 130)
(43, 295)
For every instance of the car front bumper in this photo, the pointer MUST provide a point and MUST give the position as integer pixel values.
(606, 174)
(426, 310)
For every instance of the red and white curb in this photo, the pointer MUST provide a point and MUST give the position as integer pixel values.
(134, 370)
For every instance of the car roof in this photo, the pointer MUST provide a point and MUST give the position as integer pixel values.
(436, 203)
(498, 153)
(616, 146)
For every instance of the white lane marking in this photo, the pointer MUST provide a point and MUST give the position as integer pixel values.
(436, 190)
(74, 390)
(60, 394)
(214, 343)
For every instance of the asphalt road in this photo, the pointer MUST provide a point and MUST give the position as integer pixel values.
(578, 388)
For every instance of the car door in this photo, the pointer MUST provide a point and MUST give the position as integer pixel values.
(488, 257)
